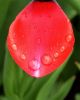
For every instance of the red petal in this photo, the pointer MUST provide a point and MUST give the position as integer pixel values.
(40, 38)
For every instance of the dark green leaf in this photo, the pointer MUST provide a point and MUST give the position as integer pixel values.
(13, 97)
(75, 4)
(35, 87)
(26, 84)
(9, 75)
(63, 90)
(77, 97)
(77, 64)
(4, 4)
(3, 98)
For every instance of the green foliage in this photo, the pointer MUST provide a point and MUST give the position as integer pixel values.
(77, 64)
(3, 98)
(16, 83)
(77, 97)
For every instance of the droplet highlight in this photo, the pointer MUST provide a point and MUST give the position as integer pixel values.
(62, 48)
(56, 54)
(46, 59)
(14, 46)
(34, 64)
(68, 20)
(69, 38)
(23, 57)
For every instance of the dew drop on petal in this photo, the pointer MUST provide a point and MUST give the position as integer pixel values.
(56, 54)
(23, 57)
(68, 38)
(14, 47)
(34, 64)
(62, 48)
(46, 59)
(37, 73)
(68, 20)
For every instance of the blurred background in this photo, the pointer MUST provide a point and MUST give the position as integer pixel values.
(63, 84)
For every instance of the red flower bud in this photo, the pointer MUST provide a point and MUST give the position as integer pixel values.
(40, 38)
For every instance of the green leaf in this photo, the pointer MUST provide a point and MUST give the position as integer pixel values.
(26, 84)
(3, 98)
(63, 90)
(75, 4)
(77, 97)
(77, 64)
(15, 80)
(0, 78)
(35, 87)
(13, 97)
(9, 75)
(45, 90)
(12, 76)
(4, 4)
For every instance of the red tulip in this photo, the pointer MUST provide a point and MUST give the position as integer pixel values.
(40, 38)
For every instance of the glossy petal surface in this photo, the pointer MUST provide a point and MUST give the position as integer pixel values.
(40, 38)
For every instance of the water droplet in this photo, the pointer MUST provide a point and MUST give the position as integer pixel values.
(68, 20)
(36, 73)
(23, 57)
(14, 46)
(69, 37)
(56, 54)
(62, 48)
(46, 59)
(34, 64)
